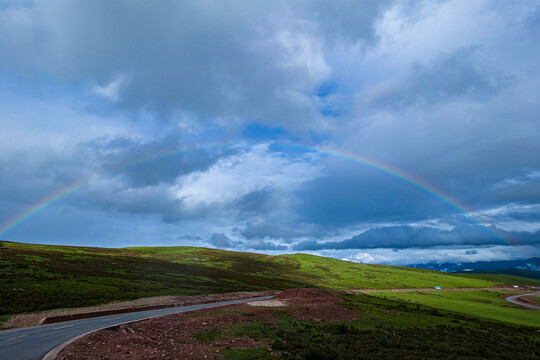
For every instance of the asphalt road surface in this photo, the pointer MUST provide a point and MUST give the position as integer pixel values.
(32, 343)
(513, 300)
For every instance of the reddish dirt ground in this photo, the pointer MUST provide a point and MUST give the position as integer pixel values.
(311, 295)
(172, 336)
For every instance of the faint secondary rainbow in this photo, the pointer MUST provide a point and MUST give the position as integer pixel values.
(375, 164)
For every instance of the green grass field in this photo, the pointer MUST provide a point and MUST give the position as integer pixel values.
(486, 304)
(388, 328)
(42, 277)
(507, 279)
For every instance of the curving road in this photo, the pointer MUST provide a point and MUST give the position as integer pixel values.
(513, 300)
(33, 343)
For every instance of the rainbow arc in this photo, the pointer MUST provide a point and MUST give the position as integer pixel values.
(375, 164)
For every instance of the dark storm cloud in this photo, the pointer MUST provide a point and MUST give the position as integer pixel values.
(403, 237)
(209, 60)
(345, 20)
(264, 245)
(454, 75)
(150, 163)
(450, 76)
(139, 163)
(189, 237)
(445, 91)
(280, 229)
(116, 174)
(258, 201)
(353, 193)
(144, 201)
(523, 193)
(528, 216)
(220, 240)
(38, 173)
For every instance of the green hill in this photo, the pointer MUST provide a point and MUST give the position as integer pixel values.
(41, 277)
(503, 278)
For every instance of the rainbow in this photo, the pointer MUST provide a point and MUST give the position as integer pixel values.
(65, 192)
(394, 172)
(377, 165)
(410, 179)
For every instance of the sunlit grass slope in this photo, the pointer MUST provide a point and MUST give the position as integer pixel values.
(338, 274)
(384, 328)
(486, 304)
(507, 279)
(41, 277)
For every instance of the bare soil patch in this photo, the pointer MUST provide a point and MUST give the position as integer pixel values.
(309, 295)
(191, 335)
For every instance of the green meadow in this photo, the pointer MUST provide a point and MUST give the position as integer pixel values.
(485, 304)
(507, 279)
(390, 328)
(43, 277)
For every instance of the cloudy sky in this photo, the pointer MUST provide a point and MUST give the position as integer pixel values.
(396, 132)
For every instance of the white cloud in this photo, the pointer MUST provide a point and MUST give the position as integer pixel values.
(363, 257)
(54, 120)
(438, 255)
(530, 175)
(512, 216)
(71, 72)
(435, 27)
(304, 51)
(233, 177)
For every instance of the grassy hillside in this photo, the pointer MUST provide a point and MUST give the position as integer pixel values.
(486, 304)
(388, 329)
(41, 277)
(340, 327)
(507, 279)
(533, 274)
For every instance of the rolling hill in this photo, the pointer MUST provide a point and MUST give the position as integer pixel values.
(42, 277)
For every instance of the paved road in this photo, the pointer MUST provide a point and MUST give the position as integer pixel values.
(32, 343)
(513, 300)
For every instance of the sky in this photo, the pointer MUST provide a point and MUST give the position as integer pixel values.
(381, 131)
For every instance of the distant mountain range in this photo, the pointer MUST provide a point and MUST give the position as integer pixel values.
(526, 268)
